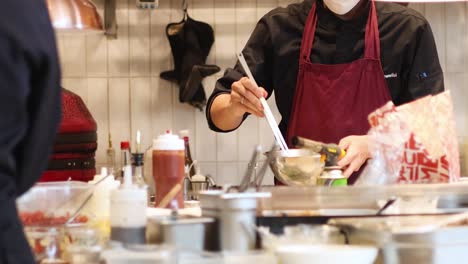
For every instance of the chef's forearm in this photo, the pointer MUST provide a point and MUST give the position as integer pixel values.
(224, 114)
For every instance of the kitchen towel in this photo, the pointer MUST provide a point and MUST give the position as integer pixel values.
(191, 42)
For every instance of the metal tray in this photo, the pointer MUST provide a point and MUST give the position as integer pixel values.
(446, 196)
(276, 223)
(408, 239)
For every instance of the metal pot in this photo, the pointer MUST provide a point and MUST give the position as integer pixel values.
(182, 232)
(193, 188)
(235, 215)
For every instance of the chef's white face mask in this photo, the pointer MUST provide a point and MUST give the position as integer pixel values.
(341, 7)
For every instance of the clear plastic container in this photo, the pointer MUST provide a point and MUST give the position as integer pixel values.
(82, 245)
(45, 242)
(52, 204)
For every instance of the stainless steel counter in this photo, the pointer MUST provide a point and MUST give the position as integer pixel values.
(446, 196)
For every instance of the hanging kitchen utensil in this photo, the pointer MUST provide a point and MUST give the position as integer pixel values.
(191, 42)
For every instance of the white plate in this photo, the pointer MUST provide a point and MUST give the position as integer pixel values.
(322, 212)
(326, 254)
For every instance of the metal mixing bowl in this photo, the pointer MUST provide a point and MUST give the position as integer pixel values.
(296, 167)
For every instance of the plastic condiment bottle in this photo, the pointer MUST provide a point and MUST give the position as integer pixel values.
(128, 211)
(148, 172)
(125, 156)
(110, 155)
(168, 166)
(99, 204)
(189, 169)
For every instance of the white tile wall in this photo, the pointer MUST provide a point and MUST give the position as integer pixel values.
(119, 79)
(98, 104)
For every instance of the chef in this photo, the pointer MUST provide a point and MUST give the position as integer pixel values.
(29, 113)
(330, 64)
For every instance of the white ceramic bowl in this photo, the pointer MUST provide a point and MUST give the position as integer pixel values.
(326, 254)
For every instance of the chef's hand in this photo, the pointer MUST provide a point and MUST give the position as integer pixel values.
(245, 97)
(357, 153)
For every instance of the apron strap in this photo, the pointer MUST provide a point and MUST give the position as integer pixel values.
(372, 38)
(308, 35)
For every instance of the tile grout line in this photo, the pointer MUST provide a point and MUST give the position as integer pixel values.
(150, 26)
(129, 61)
(215, 25)
(108, 87)
(86, 65)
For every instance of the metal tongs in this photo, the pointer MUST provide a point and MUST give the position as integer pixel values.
(247, 181)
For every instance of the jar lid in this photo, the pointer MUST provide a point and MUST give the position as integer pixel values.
(124, 145)
(168, 141)
(184, 134)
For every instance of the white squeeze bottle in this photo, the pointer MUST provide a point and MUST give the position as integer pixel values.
(128, 211)
(99, 204)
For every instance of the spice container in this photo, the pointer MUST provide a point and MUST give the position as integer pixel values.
(168, 166)
(196, 184)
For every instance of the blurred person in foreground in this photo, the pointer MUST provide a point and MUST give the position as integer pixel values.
(30, 110)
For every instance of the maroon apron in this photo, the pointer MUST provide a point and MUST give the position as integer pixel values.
(333, 101)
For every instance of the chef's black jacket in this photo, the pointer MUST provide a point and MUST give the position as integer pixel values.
(408, 52)
(29, 112)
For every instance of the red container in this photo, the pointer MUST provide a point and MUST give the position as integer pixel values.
(168, 166)
(76, 143)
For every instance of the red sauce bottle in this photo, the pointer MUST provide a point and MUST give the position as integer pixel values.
(168, 166)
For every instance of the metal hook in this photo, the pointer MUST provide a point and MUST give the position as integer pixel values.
(184, 9)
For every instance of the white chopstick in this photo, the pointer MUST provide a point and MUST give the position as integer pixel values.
(268, 114)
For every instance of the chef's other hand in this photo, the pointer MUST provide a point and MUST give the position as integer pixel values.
(357, 153)
(245, 97)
